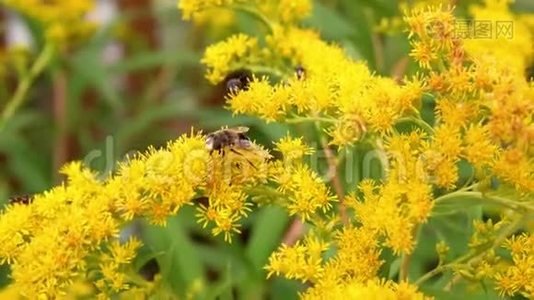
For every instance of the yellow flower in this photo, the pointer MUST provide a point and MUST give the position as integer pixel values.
(293, 10)
(517, 278)
(515, 167)
(479, 149)
(224, 57)
(307, 193)
(372, 290)
(82, 218)
(63, 20)
(190, 7)
(425, 53)
(455, 114)
(293, 149)
(302, 261)
(511, 41)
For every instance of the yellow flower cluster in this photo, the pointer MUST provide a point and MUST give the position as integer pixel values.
(517, 278)
(394, 210)
(484, 108)
(231, 176)
(332, 85)
(483, 111)
(357, 260)
(372, 290)
(511, 38)
(73, 218)
(62, 20)
(229, 55)
(304, 193)
(82, 217)
(284, 11)
(114, 264)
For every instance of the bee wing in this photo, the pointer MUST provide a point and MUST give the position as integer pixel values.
(240, 129)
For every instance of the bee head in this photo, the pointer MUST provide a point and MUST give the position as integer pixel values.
(209, 141)
(244, 141)
(238, 80)
(300, 72)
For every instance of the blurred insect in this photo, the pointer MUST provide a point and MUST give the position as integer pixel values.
(229, 139)
(21, 199)
(237, 81)
(300, 72)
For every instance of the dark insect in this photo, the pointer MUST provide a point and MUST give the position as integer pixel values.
(229, 139)
(22, 199)
(237, 81)
(300, 72)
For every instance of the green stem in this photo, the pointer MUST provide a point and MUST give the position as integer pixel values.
(19, 96)
(297, 119)
(263, 69)
(254, 13)
(519, 206)
(513, 227)
(418, 121)
(442, 268)
(472, 256)
(407, 257)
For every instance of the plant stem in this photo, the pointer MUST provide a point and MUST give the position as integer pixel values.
(59, 103)
(418, 121)
(294, 233)
(298, 119)
(472, 257)
(333, 175)
(442, 268)
(263, 69)
(256, 14)
(484, 197)
(19, 96)
(498, 241)
(407, 257)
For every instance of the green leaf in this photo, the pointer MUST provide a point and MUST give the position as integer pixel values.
(266, 235)
(455, 204)
(180, 264)
(394, 268)
(150, 59)
(25, 163)
(331, 24)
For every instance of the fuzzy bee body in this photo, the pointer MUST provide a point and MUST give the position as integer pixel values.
(238, 81)
(231, 138)
(22, 199)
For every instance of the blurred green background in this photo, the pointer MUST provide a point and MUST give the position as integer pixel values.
(138, 82)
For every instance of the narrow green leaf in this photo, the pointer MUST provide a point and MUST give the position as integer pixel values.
(266, 234)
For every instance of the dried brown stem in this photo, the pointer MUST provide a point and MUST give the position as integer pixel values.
(335, 180)
(294, 233)
(59, 106)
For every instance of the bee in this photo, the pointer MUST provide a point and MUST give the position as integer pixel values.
(300, 72)
(232, 139)
(22, 199)
(237, 81)
(228, 138)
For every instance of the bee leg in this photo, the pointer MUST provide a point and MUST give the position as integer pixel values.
(241, 154)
